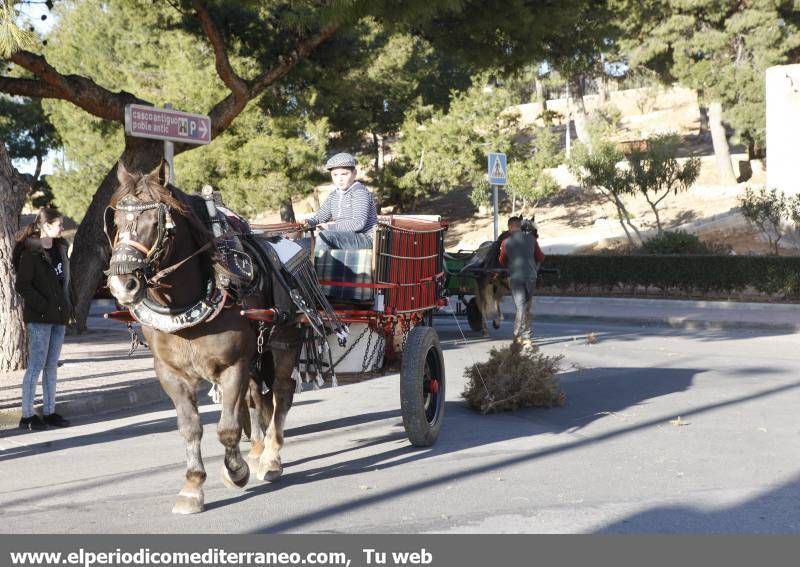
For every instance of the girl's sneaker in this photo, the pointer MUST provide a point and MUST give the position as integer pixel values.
(32, 423)
(56, 420)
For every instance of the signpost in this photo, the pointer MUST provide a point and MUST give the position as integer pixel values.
(498, 175)
(169, 125)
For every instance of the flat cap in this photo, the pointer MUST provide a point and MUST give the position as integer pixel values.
(340, 160)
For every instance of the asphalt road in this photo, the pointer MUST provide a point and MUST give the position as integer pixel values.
(664, 430)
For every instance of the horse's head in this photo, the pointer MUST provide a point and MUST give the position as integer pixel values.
(140, 228)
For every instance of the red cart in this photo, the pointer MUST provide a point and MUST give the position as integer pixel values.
(390, 293)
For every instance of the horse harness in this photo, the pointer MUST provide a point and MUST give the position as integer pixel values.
(130, 256)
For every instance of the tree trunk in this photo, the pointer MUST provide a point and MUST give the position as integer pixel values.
(602, 87)
(580, 121)
(568, 119)
(90, 252)
(13, 190)
(625, 216)
(654, 207)
(287, 211)
(538, 84)
(377, 144)
(625, 229)
(720, 140)
(658, 219)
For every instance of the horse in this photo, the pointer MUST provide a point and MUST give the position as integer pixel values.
(163, 268)
(490, 289)
(490, 284)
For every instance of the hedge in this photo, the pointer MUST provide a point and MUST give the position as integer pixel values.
(774, 276)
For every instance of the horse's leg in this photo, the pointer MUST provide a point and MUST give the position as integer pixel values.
(269, 465)
(244, 419)
(481, 298)
(261, 414)
(234, 381)
(184, 397)
(258, 422)
(498, 313)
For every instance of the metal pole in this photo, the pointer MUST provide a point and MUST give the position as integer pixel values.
(169, 154)
(496, 211)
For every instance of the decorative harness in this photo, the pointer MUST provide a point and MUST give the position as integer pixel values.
(130, 257)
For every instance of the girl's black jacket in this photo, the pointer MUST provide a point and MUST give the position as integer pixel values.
(45, 298)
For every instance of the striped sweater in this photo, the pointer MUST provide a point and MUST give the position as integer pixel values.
(351, 210)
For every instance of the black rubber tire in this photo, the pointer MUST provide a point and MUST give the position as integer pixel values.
(474, 315)
(422, 409)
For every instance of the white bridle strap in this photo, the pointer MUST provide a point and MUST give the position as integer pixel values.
(134, 244)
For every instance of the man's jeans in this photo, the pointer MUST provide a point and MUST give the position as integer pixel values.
(522, 293)
(44, 348)
(342, 240)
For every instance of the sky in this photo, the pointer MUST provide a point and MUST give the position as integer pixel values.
(31, 14)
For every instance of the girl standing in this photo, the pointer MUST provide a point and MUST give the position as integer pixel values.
(42, 265)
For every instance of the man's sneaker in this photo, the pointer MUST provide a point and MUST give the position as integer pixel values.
(56, 420)
(32, 423)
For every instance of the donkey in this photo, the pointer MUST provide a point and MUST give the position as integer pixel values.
(162, 268)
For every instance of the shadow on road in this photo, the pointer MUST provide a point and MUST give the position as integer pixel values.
(461, 434)
(774, 512)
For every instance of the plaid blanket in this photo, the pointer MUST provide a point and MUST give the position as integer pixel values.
(354, 266)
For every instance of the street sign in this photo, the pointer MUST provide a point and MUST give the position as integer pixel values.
(498, 172)
(166, 124)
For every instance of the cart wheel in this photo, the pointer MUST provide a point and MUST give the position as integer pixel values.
(422, 386)
(474, 316)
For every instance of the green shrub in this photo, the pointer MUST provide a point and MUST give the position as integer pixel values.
(681, 242)
(775, 276)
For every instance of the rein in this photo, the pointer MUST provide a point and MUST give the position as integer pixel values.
(120, 261)
(126, 260)
(161, 274)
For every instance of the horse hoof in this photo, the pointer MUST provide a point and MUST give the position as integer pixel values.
(270, 471)
(232, 483)
(273, 475)
(496, 324)
(188, 505)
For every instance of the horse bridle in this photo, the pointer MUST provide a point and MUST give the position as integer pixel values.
(128, 254)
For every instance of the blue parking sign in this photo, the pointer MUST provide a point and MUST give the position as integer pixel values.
(498, 172)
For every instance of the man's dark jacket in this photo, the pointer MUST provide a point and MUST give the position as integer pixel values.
(45, 298)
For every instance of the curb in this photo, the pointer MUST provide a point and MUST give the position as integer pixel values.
(100, 402)
(674, 322)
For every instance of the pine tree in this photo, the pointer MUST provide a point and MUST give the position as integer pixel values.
(722, 49)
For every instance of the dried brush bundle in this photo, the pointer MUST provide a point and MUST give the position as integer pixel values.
(514, 377)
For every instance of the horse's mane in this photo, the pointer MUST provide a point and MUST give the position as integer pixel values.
(146, 187)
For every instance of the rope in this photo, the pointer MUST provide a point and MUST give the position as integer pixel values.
(466, 342)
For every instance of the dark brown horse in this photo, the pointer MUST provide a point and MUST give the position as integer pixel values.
(163, 269)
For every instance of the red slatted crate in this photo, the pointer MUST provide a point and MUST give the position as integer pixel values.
(409, 253)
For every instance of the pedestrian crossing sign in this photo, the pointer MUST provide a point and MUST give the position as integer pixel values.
(498, 172)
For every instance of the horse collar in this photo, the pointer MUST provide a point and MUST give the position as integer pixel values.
(172, 319)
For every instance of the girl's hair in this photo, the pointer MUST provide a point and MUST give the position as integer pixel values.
(44, 216)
